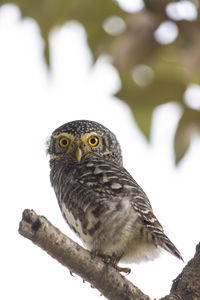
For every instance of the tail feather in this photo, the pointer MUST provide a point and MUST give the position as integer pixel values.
(163, 241)
(149, 220)
(169, 246)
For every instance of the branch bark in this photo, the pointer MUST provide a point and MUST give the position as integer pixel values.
(102, 276)
(187, 284)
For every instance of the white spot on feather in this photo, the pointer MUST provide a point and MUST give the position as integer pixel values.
(90, 164)
(116, 186)
(105, 178)
(97, 170)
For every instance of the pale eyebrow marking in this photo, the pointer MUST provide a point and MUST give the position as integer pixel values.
(68, 135)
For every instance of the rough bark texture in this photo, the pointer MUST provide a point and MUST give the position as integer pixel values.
(187, 284)
(102, 276)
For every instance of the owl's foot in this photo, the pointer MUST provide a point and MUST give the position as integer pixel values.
(106, 258)
(119, 269)
(111, 260)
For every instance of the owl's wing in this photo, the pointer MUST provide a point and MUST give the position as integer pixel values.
(105, 177)
(142, 206)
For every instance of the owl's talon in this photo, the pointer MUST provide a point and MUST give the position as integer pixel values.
(119, 269)
(71, 274)
(110, 261)
(107, 259)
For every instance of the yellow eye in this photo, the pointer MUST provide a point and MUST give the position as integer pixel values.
(64, 142)
(93, 141)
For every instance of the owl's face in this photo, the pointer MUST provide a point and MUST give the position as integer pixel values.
(75, 141)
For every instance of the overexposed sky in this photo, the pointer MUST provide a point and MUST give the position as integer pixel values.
(33, 103)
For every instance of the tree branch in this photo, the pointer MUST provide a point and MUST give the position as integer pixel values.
(102, 276)
(187, 284)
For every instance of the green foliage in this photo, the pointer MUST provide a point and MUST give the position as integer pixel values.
(172, 67)
(188, 125)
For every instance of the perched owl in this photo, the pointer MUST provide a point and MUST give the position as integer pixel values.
(99, 199)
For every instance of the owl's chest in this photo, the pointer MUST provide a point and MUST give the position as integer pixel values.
(76, 224)
(89, 197)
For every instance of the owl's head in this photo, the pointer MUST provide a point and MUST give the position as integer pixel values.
(77, 140)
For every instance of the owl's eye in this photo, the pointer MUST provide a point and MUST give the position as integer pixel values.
(93, 141)
(64, 142)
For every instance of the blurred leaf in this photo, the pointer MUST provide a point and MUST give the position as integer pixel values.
(91, 14)
(137, 44)
(189, 49)
(189, 125)
(143, 99)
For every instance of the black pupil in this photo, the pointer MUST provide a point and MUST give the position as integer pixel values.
(64, 142)
(93, 141)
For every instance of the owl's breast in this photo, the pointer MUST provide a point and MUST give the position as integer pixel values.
(81, 205)
(94, 197)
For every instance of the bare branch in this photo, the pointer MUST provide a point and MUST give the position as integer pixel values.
(102, 276)
(187, 285)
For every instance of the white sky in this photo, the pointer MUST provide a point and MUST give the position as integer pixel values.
(33, 104)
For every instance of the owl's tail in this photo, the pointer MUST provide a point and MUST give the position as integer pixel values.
(169, 246)
(164, 242)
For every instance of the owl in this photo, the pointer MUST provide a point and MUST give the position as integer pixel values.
(99, 199)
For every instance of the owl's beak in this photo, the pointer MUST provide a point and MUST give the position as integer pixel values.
(78, 154)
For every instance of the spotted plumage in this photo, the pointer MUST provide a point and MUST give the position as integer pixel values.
(99, 199)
